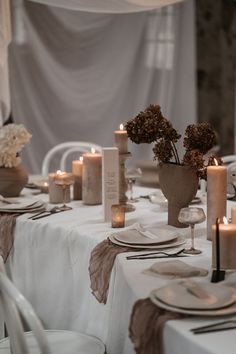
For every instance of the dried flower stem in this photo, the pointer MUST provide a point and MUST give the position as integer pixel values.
(176, 156)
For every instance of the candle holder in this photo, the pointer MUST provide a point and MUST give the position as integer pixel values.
(118, 215)
(123, 186)
(63, 181)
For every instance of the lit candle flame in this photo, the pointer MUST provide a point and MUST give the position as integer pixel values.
(81, 158)
(225, 221)
(92, 150)
(121, 126)
(216, 162)
(45, 184)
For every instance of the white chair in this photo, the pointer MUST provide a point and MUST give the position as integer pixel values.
(228, 159)
(65, 149)
(12, 304)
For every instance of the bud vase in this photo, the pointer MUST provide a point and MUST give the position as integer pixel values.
(12, 180)
(179, 185)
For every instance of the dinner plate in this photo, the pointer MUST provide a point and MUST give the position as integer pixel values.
(191, 295)
(21, 205)
(157, 236)
(177, 242)
(222, 307)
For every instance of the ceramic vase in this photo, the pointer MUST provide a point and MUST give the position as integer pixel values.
(12, 180)
(179, 185)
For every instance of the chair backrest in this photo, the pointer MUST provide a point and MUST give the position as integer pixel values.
(228, 159)
(12, 304)
(65, 149)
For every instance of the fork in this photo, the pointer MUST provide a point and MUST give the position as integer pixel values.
(45, 213)
(215, 327)
(163, 253)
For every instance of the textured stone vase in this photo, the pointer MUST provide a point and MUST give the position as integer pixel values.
(179, 185)
(12, 180)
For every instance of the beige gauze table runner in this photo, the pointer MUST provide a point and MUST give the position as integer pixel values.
(146, 326)
(7, 224)
(101, 262)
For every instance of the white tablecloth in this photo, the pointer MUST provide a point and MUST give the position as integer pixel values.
(49, 264)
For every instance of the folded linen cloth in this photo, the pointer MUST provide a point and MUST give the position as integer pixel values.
(100, 266)
(146, 326)
(175, 269)
(7, 224)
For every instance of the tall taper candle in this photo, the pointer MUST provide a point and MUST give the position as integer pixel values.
(92, 178)
(121, 140)
(216, 195)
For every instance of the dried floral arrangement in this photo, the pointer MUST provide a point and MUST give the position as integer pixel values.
(13, 137)
(150, 126)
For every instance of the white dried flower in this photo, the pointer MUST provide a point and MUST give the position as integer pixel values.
(13, 137)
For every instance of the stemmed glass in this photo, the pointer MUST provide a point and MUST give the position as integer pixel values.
(191, 216)
(131, 176)
(64, 180)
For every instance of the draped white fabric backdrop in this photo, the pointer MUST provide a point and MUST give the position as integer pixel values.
(5, 38)
(77, 75)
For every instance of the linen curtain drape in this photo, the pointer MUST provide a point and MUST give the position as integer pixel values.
(5, 38)
(77, 75)
(108, 6)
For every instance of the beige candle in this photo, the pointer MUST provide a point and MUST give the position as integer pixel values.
(56, 191)
(121, 140)
(118, 215)
(233, 215)
(216, 195)
(92, 178)
(227, 246)
(77, 170)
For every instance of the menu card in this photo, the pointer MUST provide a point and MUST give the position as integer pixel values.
(110, 180)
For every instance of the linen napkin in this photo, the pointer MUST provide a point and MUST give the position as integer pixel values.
(175, 269)
(100, 266)
(7, 224)
(146, 326)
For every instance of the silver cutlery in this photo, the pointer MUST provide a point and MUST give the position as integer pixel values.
(159, 254)
(45, 213)
(215, 327)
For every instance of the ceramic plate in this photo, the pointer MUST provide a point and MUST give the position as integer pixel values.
(22, 205)
(177, 242)
(176, 297)
(157, 236)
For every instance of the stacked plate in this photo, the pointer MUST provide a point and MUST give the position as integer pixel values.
(156, 238)
(21, 205)
(189, 297)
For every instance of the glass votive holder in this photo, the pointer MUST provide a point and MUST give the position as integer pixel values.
(117, 215)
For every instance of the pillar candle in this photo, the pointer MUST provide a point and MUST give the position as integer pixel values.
(77, 170)
(92, 178)
(216, 195)
(227, 233)
(233, 215)
(55, 191)
(121, 140)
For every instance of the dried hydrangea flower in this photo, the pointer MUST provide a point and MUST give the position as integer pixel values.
(13, 137)
(200, 136)
(163, 151)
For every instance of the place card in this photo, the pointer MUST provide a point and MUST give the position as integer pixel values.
(110, 180)
(77, 170)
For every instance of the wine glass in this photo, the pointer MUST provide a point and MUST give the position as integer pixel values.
(64, 180)
(131, 176)
(191, 216)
